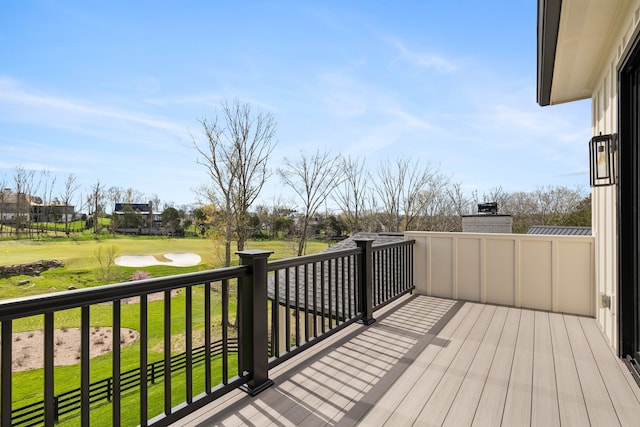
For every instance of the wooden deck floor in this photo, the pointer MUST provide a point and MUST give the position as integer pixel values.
(435, 362)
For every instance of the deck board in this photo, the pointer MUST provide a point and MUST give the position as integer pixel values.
(597, 400)
(382, 409)
(517, 410)
(491, 406)
(437, 407)
(411, 406)
(431, 362)
(622, 398)
(464, 407)
(544, 399)
(571, 403)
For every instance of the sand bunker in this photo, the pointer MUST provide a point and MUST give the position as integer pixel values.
(177, 260)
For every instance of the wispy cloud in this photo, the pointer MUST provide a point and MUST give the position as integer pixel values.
(29, 105)
(210, 100)
(423, 60)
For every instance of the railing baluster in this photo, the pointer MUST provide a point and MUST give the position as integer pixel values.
(408, 255)
(323, 285)
(306, 304)
(396, 270)
(297, 297)
(351, 296)
(225, 332)
(392, 276)
(384, 275)
(400, 268)
(84, 365)
(144, 345)
(275, 314)
(167, 352)
(189, 342)
(116, 362)
(49, 391)
(386, 261)
(410, 268)
(343, 308)
(329, 277)
(287, 310)
(207, 336)
(315, 300)
(378, 288)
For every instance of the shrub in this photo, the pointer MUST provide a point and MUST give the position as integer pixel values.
(140, 275)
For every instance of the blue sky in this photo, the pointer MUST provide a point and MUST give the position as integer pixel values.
(112, 91)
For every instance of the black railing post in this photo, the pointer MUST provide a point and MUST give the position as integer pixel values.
(254, 332)
(365, 280)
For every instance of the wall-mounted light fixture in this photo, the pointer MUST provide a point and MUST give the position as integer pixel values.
(602, 160)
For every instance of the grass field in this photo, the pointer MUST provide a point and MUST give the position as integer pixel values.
(81, 264)
(80, 269)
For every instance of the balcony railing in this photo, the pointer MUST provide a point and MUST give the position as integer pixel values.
(250, 319)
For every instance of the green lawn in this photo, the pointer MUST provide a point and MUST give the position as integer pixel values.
(79, 271)
(81, 264)
(29, 385)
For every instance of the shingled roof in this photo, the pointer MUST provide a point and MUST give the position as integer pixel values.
(324, 273)
(378, 239)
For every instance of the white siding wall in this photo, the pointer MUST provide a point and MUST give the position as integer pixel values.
(605, 121)
(553, 273)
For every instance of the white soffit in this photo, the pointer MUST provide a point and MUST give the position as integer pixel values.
(584, 36)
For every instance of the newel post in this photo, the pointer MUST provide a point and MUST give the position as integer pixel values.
(365, 280)
(254, 333)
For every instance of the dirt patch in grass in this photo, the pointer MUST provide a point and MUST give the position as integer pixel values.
(28, 347)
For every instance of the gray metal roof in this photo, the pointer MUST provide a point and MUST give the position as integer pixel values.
(560, 230)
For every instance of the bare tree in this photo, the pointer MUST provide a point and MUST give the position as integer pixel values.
(239, 142)
(24, 188)
(66, 197)
(544, 206)
(4, 196)
(401, 186)
(555, 204)
(133, 196)
(106, 257)
(459, 204)
(497, 195)
(155, 203)
(95, 200)
(46, 209)
(114, 195)
(352, 194)
(312, 178)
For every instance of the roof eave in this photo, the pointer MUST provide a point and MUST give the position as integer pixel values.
(548, 26)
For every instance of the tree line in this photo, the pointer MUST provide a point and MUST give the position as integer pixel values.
(235, 149)
(394, 196)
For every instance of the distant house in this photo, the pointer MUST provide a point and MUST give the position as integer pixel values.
(20, 207)
(137, 218)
